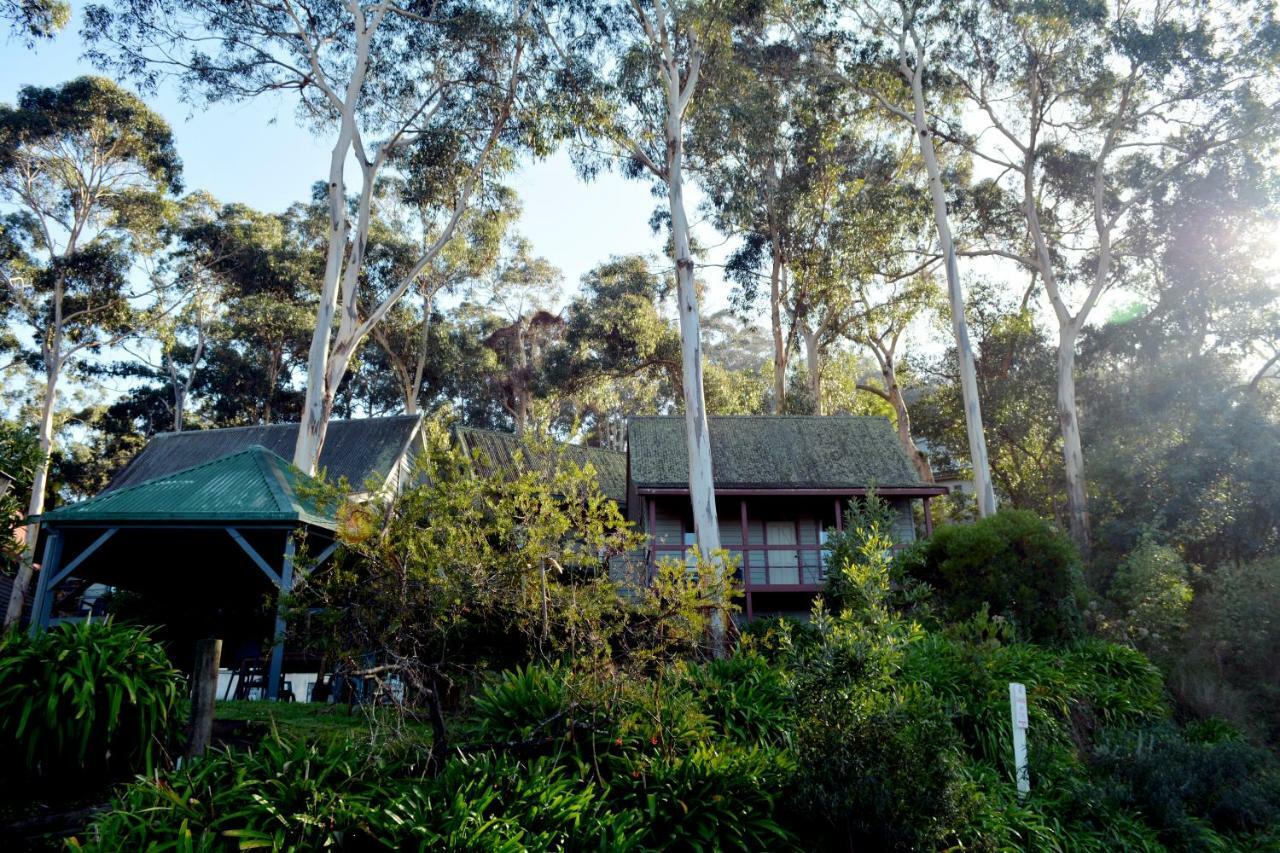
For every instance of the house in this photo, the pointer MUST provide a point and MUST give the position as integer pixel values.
(781, 482)
(222, 511)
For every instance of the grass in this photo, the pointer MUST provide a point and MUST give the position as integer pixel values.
(314, 721)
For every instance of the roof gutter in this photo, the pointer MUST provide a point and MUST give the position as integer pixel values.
(887, 491)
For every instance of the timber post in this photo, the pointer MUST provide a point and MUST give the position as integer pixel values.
(204, 691)
(277, 649)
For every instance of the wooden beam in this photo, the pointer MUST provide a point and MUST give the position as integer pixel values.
(325, 554)
(277, 648)
(84, 555)
(44, 590)
(256, 557)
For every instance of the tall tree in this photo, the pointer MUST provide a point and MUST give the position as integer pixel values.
(642, 63)
(648, 60)
(909, 38)
(523, 289)
(405, 335)
(30, 20)
(428, 94)
(885, 311)
(1089, 112)
(87, 166)
(749, 144)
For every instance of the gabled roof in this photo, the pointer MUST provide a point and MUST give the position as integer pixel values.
(356, 450)
(773, 452)
(252, 485)
(499, 449)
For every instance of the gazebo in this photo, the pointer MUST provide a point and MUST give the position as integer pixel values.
(215, 528)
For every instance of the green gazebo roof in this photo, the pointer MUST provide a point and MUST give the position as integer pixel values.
(251, 485)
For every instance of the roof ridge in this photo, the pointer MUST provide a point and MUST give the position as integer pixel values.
(274, 477)
(279, 425)
(506, 434)
(253, 448)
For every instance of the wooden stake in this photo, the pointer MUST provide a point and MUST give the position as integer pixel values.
(204, 690)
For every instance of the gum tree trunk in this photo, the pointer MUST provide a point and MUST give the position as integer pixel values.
(955, 293)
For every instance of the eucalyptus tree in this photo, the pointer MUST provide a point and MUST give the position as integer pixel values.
(620, 353)
(30, 20)
(640, 65)
(523, 289)
(895, 57)
(405, 334)
(886, 309)
(1087, 113)
(748, 143)
(85, 169)
(440, 96)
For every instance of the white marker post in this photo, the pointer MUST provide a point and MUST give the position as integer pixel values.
(1018, 708)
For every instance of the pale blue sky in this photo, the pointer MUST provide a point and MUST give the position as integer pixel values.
(255, 154)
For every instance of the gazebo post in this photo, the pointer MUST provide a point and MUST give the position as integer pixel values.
(42, 605)
(277, 648)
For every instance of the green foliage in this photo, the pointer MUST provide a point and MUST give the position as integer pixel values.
(1231, 667)
(520, 703)
(1013, 562)
(29, 20)
(878, 759)
(19, 457)
(1152, 589)
(1192, 792)
(745, 697)
(281, 794)
(82, 701)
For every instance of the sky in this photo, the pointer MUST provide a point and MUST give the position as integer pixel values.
(254, 153)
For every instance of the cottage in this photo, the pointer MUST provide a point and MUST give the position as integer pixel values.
(217, 512)
(781, 483)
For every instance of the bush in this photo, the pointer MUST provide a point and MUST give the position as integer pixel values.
(747, 699)
(1013, 562)
(84, 701)
(1231, 667)
(1191, 791)
(1152, 592)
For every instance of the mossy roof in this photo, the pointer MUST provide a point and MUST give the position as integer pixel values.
(773, 452)
(499, 449)
(356, 450)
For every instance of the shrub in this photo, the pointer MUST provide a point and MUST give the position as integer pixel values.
(1191, 791)
(521, 703)
(1013, 562)
(1231, 667)
(1152, 591)
(709, 798)
(83, 701)
(283, 794)
(748, 700)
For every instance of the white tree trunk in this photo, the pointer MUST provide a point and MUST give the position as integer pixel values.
(1072, 450)
(775, 324)
(955, 291)
(35, 506)
(318, 402)
(813, 365)
(702, 493)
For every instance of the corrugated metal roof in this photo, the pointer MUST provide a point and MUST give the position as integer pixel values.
(773, 452)
(356, 450)
(499, 449)
(253, 484)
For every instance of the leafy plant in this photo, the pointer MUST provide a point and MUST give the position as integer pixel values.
(1014, 563)
(1191, 792)
(84, 700)
(1152, 590)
